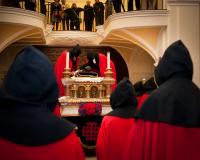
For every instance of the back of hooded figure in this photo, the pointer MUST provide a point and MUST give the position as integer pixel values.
(116, 124)
(148, 87)
(168, 123)
(28, 129)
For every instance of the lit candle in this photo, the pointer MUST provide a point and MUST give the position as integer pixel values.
(108, 60)
(67, 59)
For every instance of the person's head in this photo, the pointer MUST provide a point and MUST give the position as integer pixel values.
(74, 5)
(88, 3)
(97, 1)
(75, 52)
(93, 58)
(31, 80)
(63, 1)
(28, 96)
(175, 63)
(139, 88)
(149, 85)
(124, 95)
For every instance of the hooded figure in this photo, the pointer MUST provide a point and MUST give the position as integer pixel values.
(168, 124)
(117, 124)
(61, 65)
(98, 63)
(148, 87)
(28, 129)
(139, 90)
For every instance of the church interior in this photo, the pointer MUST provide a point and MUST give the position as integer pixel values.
(135, 38)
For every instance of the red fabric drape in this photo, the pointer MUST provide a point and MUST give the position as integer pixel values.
(160, 141)
(68, 148)
(112, 137)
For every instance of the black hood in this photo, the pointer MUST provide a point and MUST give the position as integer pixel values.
(74, 54)
(149, 85)
(28, 79)
(93, 62)
(75, 51)
(93, 59)
(175, 63)
(177, 100)
(139, 88)
(123, 100)
(28, 96)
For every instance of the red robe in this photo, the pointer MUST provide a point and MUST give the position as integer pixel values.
(68, 148)
(103, 66)
(142, 99)
(160, 141)
(56, 111)
(112, 137)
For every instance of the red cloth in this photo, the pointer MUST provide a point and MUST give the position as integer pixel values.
(160, 141)
(141, 100)
(59, 69)
(103, 66)
(56, 111)
(68, 148)
(112, 137)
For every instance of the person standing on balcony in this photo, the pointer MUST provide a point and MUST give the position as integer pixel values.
(10, 3)
(30, 5)
(88, 16)
(108, 8)
(64, 15)
(149, 4)
(75, 20)
(137, 5)
(43, 7)
(55, 13)
(99, 12)
(117, 5)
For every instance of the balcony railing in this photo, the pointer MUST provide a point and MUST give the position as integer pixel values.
(45, 8)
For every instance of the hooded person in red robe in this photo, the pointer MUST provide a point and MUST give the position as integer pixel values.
(117, 124)
(60, 66)
(168, 124)
(97, 62)
(148, 87)
(28, 128)
(139, 89)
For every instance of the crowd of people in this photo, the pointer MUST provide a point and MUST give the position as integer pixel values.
(154, 120)
(27, 4)
(68, 17)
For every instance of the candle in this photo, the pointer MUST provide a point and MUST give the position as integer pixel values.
(67, 59)
(108, 60)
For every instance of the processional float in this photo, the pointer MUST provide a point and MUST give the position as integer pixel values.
(86, 89)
